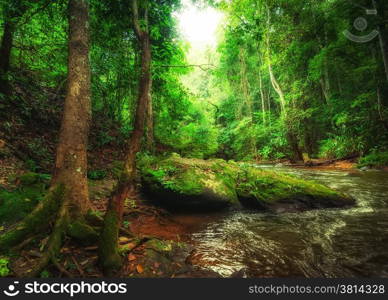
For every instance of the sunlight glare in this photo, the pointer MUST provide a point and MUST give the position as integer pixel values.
(198, 25)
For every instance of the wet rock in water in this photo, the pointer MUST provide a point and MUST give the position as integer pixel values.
(166, 259)
(240, 273)
(279, 165)
(276, 192)
(364, 169)
(191, 184)
(195, 184)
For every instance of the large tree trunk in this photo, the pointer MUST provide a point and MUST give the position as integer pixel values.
(109, 257)
(67, 200)
(5, 54)
(71, 160)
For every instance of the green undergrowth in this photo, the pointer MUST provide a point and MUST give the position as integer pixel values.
(374, 159)
(18, 203)
(4, 269)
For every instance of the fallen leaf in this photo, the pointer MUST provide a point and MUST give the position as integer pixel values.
(139, 269)
(123, 239)
(131, 257)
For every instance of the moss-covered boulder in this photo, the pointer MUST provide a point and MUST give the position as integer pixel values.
(190, 184)
(277, 192)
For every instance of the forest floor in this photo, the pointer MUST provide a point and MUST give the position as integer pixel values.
(164, 250)
(157, 247)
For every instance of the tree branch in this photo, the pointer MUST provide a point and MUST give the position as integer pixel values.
(136, 24)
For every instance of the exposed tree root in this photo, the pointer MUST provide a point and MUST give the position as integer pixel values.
(108, 252)
(60, 268)
(81, 272)
(54, 207)
(37, 221)
(54, 243)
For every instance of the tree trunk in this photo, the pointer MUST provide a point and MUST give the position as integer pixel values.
(71, 160)
(262, 98)
(5, 54)
(277, 88)
(245, 88)
(67, 200)
(150, 127)
(109, 257)
(274, 81)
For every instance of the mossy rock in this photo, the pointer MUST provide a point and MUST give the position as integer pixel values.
(277, 192)
(195, 184)
(191, 184)
(163, 259)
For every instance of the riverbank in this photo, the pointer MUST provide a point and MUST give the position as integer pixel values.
(324, 164)
(160, 243)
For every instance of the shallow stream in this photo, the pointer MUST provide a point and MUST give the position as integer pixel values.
(322, 243)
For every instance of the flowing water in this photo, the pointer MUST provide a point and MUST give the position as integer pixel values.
(322, 243)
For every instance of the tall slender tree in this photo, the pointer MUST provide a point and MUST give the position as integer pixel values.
(108, 247)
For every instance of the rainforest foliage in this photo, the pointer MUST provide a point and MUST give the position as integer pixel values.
(284, 79)
(91, 88)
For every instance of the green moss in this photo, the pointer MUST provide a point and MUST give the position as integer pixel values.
(211, 182)
(45, 211)
(82, 232)
(108, 252)
(270, 187)
(159, 245)
(16, 204)
(32, 178)
(204, 181)
(4, 269)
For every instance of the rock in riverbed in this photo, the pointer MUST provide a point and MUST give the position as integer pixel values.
(277, 192)
(192, 184)
(195, 184)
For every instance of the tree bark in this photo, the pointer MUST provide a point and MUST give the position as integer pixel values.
(247, 95)
(262, 98)
(71, 157)
(274, 81)
(109, 257)
(66, 202)
(150, 141)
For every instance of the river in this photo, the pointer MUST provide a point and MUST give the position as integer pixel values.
(321, 243)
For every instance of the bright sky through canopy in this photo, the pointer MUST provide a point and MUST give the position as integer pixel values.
(198, 25)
